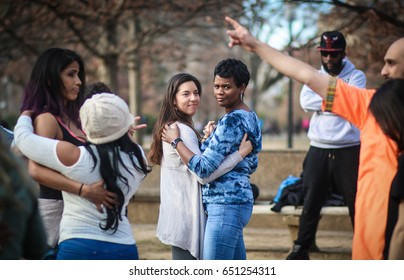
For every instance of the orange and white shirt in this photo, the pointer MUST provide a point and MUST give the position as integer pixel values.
(377, 167)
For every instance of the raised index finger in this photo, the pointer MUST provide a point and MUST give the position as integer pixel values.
(231, 21)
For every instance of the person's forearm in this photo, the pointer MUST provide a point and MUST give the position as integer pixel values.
(293, 68)
(309, 100)
(185, 153)
(396, 249)
(94, 193)
(52, 178)
(228, 164)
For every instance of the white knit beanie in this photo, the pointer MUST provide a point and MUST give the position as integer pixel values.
(105, 117)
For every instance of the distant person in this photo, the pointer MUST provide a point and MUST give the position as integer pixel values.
(306, 124)
(110, 155)
(333, 155)
(378, 154)
(182, 217)
(298, 126)
(228, 200)
(96, 87)
(22, 235)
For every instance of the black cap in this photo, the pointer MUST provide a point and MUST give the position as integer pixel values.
(332, 41)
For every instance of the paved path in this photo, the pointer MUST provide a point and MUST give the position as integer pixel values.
(261, 244)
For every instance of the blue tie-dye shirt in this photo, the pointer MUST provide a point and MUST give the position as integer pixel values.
(233, 187)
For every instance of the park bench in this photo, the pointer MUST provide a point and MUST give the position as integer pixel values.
(291, 215)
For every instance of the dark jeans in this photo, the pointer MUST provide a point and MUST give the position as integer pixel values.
(321, 167)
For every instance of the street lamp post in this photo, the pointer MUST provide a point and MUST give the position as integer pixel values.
(291, 18)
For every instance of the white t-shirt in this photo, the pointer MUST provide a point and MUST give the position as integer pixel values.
(80, 219)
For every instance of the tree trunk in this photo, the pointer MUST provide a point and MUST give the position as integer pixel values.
(108, 72)
(134, 80)
(134, 93)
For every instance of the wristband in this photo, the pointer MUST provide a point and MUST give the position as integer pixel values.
(81, 188)
(175, 142)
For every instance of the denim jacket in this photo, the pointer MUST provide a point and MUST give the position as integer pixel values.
(233, 187)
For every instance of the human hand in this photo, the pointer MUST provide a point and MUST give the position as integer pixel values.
(240, 36)
(135, 126)
(97, 194)
(245, 146)
(208, 129)
(170, 132)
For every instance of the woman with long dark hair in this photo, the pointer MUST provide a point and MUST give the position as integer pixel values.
(54, 94)
(109, 154)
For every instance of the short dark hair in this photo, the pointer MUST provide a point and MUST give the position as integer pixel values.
(95, 88)
(233, 68)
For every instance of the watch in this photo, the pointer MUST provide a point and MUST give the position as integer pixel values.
(175, 142)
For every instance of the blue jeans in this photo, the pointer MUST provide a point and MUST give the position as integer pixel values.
(88, 249)
(224, 231)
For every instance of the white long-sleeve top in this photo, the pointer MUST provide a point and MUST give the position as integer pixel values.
(80, 217)
(328, 130)
(182, 217)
